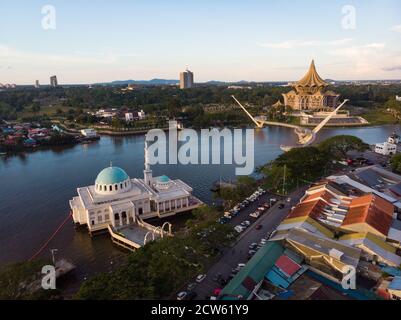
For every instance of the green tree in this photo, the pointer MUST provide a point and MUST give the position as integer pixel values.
(35, 108)
(396, 163)
(338, 146)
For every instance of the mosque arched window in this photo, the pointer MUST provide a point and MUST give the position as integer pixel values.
(116, 187)
(111, 188)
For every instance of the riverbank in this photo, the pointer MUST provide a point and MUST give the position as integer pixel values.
(47, 179)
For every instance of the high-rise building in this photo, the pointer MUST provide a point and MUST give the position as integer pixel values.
(53, 81)
(186, 79)
(37, 85)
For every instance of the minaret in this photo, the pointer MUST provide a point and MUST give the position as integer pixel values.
(147, 173)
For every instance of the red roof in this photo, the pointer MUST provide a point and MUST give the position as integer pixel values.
(372, 210)
(287, 265)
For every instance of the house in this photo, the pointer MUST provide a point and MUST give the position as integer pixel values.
(374, 248)
(329, 256)
(386, 148)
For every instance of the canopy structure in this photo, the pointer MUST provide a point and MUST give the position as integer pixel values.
(312, 78)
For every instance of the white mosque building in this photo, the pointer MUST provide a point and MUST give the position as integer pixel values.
(118, 202)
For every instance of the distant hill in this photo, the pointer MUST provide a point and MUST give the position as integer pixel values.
(142, 82)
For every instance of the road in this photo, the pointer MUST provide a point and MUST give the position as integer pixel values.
(238, 253)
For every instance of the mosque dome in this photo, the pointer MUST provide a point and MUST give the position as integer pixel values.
(112, 180)
(164, 179)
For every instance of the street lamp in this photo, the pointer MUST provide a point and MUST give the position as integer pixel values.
(53, 252)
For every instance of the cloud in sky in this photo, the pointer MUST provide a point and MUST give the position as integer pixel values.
(393, 68)
(290, 44)
(396, 28)
(367, 59)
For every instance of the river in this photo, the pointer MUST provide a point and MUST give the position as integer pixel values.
(36, 187)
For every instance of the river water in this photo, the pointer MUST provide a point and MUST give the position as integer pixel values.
(36, 187)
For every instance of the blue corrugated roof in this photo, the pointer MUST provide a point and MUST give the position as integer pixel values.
(393, 271)
(395, 284)
(370, 177)
(277, 279)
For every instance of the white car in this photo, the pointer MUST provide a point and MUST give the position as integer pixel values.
(254, 215)
(239, 229)
(247, 223)
(200, 278)
(182, 295)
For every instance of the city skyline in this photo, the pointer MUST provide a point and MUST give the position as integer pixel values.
(257, 41)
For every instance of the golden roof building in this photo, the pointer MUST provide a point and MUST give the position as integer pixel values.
(310, 93)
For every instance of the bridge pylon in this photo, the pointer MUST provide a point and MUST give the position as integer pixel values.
(259, 124)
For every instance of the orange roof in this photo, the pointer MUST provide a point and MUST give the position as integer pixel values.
(311, 209)
(324, 194)
(370, 209)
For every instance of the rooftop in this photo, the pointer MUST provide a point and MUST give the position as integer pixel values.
(395, 284)
(373, 210)
(311, 78)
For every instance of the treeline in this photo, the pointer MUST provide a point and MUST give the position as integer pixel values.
(169, 101)
(302, 166)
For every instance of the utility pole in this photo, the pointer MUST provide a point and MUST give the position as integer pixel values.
(285, 168)
(53, 251)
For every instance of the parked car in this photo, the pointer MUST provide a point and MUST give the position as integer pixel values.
(217, 277)
(200, 278)
(217, 291)
(281, 206)
(241, 265)
(182, 295)
(255, 215)
(192, 296)
(253, 246)
(192, 286)
(223, 282)
(247, 223)
(239, 228)
(258, 227)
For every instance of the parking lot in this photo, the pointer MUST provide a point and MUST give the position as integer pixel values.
(238, 253)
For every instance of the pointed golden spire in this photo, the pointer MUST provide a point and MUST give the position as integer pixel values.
(312, 78)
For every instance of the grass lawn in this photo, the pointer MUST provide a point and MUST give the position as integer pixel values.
(379, 116)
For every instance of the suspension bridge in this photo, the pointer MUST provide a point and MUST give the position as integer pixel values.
(305, 136)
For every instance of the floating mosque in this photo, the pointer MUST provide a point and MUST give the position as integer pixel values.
(119, 204)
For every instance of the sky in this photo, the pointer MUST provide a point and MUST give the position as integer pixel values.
(228, 40)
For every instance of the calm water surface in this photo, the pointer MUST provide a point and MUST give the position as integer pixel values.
(36, 187)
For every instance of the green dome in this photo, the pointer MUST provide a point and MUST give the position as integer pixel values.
(164, 179)
(111, 175)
